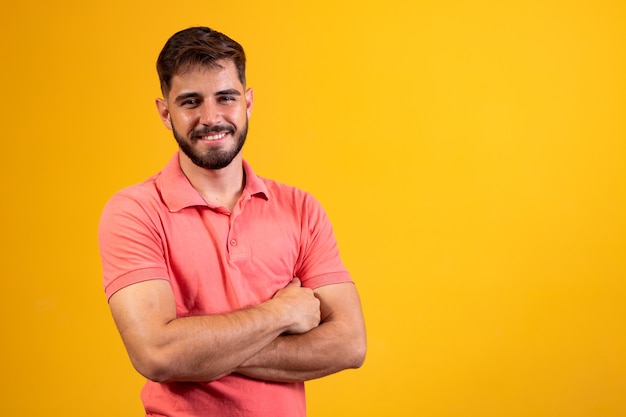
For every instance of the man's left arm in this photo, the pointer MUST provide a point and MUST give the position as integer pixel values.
(338, 343)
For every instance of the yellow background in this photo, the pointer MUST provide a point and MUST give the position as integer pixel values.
(471, 155)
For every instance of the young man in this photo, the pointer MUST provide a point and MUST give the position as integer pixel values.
(227, 288)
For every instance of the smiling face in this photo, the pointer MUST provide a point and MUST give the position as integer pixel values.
(207, 108)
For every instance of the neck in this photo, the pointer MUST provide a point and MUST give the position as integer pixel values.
(219, 187)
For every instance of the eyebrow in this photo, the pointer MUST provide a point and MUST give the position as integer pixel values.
(192, 94)
(229, 92)
(185, 96)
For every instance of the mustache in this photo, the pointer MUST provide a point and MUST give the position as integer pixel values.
(205, 130)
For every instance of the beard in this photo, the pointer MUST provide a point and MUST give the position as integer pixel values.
(212, 158)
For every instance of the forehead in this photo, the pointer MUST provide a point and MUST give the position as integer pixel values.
(206, 78)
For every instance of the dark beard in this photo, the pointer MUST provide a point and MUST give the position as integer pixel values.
(213, 159)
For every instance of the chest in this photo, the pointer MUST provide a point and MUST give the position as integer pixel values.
(219, 262)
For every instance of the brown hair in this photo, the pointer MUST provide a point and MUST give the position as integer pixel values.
(198, 46)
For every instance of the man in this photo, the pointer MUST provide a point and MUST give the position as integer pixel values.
(227, 288)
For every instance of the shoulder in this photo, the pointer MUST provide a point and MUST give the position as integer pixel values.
(145, 192)
(284, 198)
(296, 203)
(140, 200)
(288, 193)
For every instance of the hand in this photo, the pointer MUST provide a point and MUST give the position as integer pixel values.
(300, 305)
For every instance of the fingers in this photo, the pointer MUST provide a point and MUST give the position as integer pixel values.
(296, 281)
(302, 306)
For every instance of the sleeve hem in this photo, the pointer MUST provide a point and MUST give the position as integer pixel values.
(134, 277)
(327, 279)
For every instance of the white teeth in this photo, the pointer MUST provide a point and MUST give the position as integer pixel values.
(215, 137)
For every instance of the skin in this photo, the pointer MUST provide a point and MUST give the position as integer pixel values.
(210, 98)
(297, 335)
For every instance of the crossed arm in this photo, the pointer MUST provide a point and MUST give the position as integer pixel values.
(299, 334)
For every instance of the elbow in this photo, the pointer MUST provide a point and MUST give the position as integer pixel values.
(354, 347)
(156, 374)
(153, 366)
(356, 355)
(163, 366)
(360, 360)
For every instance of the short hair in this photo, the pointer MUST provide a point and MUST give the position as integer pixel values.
(198, 46)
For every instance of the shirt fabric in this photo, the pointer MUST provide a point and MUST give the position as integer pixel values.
(218, 261)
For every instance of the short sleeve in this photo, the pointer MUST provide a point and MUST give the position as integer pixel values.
(131, 247)
(320, 262)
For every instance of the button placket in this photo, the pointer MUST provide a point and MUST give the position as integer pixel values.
(236, 248)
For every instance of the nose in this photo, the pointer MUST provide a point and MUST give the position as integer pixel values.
(210, 114)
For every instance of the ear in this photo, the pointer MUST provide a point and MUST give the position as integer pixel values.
(249, 101)
(164, 112)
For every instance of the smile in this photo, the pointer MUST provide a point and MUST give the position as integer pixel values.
(216, 136)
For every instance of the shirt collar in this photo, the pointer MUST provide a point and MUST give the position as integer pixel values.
(178, 193)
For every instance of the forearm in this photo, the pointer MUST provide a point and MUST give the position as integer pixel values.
(165, 348)
(204, 348)
(188, 352)
(338, 343)
(329, 348)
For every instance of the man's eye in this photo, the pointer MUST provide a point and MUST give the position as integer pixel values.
(227, 98)
(190, 102)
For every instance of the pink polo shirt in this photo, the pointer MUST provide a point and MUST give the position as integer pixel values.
(217, 261)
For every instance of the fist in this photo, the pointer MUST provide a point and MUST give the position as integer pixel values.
(300, 305)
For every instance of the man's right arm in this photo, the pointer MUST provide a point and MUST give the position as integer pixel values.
(165, 348)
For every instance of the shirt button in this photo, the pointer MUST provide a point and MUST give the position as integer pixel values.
(233, 242)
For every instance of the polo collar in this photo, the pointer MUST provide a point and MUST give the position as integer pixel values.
(178, 193)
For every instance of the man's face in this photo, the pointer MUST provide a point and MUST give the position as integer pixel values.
(208, 109)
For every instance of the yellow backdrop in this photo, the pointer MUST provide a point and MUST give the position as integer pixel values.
(471, 155)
